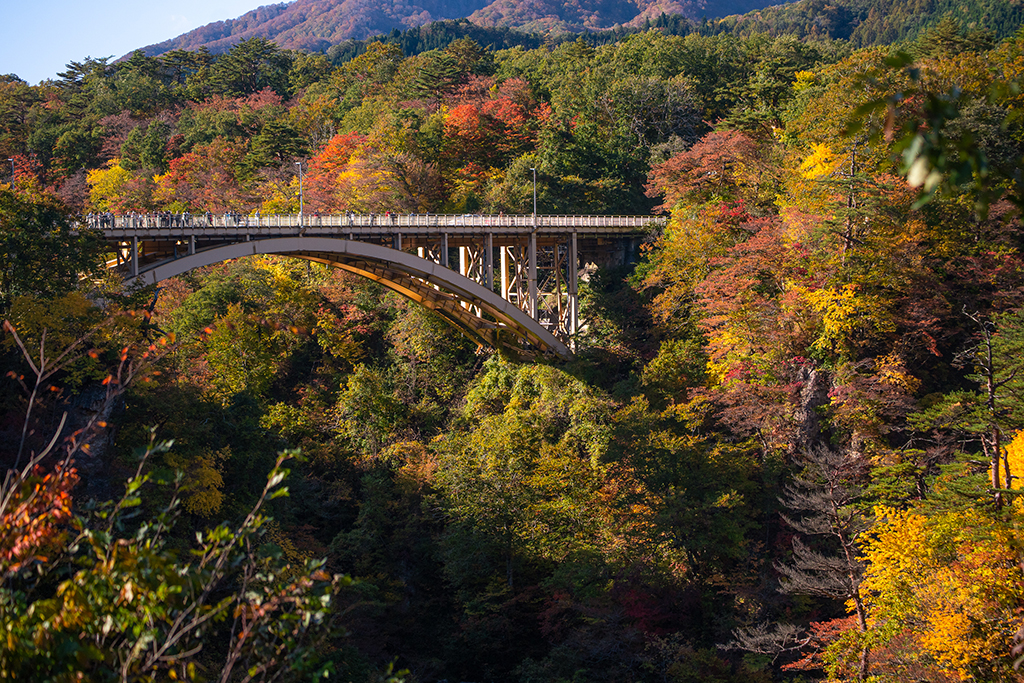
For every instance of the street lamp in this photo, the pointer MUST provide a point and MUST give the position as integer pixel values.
(12, 170)
(534, 198)
(299, 164)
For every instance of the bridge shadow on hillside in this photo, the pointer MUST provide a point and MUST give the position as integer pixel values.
(618, 337)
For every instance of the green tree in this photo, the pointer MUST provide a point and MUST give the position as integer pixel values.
(44, 253)
(16, 98)
(277, 144)
(250, 66)
(993, 411)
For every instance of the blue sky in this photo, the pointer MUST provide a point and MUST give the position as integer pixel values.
(37, 41)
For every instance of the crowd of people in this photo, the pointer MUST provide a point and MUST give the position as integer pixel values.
(235, 219)
(162, 219)
(185, 219)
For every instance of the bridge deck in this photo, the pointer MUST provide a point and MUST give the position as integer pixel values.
(178, 225)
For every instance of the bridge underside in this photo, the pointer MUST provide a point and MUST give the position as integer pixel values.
(468, 304)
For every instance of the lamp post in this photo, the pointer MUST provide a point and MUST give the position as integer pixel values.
(532, 256)
(534, 198)
(299, 164)
(12, 170)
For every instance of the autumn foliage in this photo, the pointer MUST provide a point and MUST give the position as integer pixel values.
(35, 513)
(789, 446)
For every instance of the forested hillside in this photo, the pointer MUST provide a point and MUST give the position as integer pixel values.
(335, 27)
(788, 449)
(316, 25)
(873, 22)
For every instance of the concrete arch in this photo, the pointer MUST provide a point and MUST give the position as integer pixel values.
(446, 292)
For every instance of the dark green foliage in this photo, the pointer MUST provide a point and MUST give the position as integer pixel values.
(249, 67)
(438, 36)
(276, 144)
(440, 73)
(16, 99)
(873, 22)
(178, 66)
(43, 252)
(146, 150)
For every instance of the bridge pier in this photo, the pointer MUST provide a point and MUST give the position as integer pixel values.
(532, 275)
(135, 257)
(489, 264)
(574, 275)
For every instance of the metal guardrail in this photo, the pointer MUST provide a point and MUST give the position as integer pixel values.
(364, 223)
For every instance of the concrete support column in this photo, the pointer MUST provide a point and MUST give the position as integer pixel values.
(191, 244)
(464, 259)
(135, 256)
(444, 250)
(489, 262)
(505, 263)
(398, 241)
(532, 281)
(573, 286)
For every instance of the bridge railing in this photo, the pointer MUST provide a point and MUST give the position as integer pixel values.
(369, 220)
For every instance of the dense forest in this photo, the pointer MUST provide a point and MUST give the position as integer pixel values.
(790, 447)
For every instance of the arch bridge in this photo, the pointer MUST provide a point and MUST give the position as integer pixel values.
(506, 281)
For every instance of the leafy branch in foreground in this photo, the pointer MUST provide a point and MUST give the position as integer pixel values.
(941, 148)
(133, 608)
(107, 593)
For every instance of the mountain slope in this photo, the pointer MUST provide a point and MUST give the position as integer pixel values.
(580, 15)
(315, 25)
(874, 22)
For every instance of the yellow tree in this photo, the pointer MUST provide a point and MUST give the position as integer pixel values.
(942, 594)
(117, 189)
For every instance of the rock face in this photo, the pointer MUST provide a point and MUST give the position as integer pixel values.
(315, 25)
(87, 407)
(815, 387)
